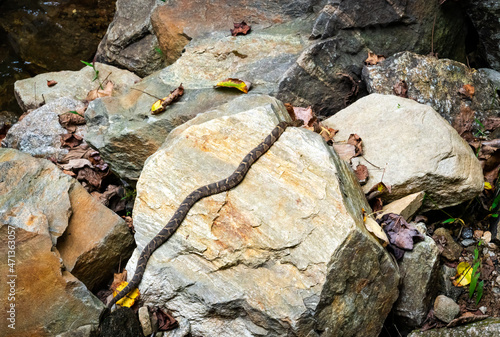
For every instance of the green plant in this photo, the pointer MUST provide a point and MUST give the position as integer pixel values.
(474, 286)
(159, 51)
(399, 106)
(96, 72)
(480, 130)
(130, 194)
(494, 207)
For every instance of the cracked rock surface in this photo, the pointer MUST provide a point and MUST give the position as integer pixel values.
(285, 253)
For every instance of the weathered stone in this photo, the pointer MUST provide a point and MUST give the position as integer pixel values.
(411, 148)
(121, 323)
(83, 331)
(145, 320)
(271, 256)
(125, 132)
(37, 197)
(32, 92)
(435, 82)
(129, 42)
(39, 133)
(448, 248)
(484, 16)
(406, 207)
(176, 22)
(446, 287)
(47, 300)
(419, 271)
(388, 27)
(326, 76)
(445, 308)
(489, 327)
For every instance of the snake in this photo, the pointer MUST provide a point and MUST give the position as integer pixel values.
(198, 194)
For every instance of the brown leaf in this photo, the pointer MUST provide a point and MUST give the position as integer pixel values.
(362, 174)
(377, 190)
(306, 114)
(71, 140)
(327, 133)
(70, 120)
(373, 59)
(345, 151)
(93, 178)
(466, 91)
(356, 140)
(117, 279)
(70, 173)
(240, 28)
(97, 93)
(51, 83)
(466, 319)
(401, 89)
(491, 123)
(402, 234)
(377, 204)
(161, 105)
(75, 164)
(166, 321)
(463, 122)
(81, 151)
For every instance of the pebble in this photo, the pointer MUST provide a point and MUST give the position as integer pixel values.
(468, 242)
(467, 233)
(445, 308)
(145, 320)
(478, 234)
(483, 309)
(486, 237)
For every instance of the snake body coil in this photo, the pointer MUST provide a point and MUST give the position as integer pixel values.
(200, 193)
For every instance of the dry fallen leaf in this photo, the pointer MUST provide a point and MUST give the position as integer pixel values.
(70, 120)
(402, 234)
(373, 227)
(75, 164)
(71, 140)
(356, 140)
(241, 85)
(240, 28)
(97, 93)
(373, 59)
(129, 299)
(51, 83)
(361, 172)
(464, 274)
(467, 91)
(463, 122)
(161, 104)
(401, 89)
(165, 321)
(345, 151)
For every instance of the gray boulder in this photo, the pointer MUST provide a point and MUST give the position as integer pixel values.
(490, 327)
(410, 147)
(39, 132)
(436, 82)
(271, 256)
(123, 129)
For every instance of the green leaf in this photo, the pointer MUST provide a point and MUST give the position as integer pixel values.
(88, 64)
(495, 203)
(479, 292)
(494, 215)
(96, 75)
(472, 285)
(476, 254)
(450, 220)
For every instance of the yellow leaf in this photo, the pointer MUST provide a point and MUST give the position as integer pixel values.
(464, 275)
(157, 106)
(235, 83)
(487, 186)
(129, 299)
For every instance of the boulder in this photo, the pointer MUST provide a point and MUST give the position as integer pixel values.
(39, 132)
(123, 129)
(489, 327)
(284, 253)
(419, 270)
(33, 92)
(484, 16)
(406, 206)
(410, 147)
(44, 300)
(37, 197)
(388, 27)
(140, 28)
(438, 83)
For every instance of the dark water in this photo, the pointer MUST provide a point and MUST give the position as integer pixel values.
(42, 36)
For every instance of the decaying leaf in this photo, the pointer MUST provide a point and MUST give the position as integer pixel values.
(345, 151)
(117, 279)
(467, 91)
(466, 318)
(81, 151)
(240, 28)
(92, 177)
(71, 140)
(327, 133)
(165, 321)
(97, 93)
(373, 227)
(402, 234)
(356, 140)
(373, 59)
(74, 164)
(378, 189)
(401, 89)
(129, 299)
(306, 114)
(70, 120)
(464, 275)
(161, 104)
(51, 83)
(241, 85)
(361, 172)
(491, 123)
(463, 122)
